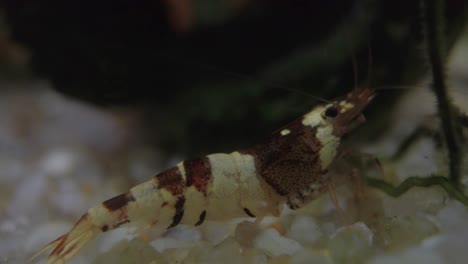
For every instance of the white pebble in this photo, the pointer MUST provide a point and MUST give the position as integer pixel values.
(304, 229)
(351, 244)
(273, 244)
(57, 162)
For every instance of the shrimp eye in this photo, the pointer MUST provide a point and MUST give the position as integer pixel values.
(331, 112)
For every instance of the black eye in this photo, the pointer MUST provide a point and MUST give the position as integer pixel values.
(331, 112)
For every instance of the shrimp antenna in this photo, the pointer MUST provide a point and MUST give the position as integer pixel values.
(355, 69)
(369, 64)
(238, 75)
(395, 87)
(269, 84)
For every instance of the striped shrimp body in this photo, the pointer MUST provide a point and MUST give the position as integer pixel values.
(291, 167)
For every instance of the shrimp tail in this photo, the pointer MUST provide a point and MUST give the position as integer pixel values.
(66, 246)
(106, 216)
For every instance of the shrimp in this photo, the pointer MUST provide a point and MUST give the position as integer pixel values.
(291, 168)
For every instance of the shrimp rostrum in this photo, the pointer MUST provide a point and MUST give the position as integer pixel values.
(289, 168)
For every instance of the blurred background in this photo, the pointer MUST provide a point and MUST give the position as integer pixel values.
(98, 96)
(192, 67)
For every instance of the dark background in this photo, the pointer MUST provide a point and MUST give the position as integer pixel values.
(219, 75)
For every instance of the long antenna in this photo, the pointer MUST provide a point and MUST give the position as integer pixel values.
(355, 70)
(369, 64)
(395, 87)
(238, 75)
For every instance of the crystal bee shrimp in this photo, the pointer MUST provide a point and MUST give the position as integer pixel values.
(291, 167)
